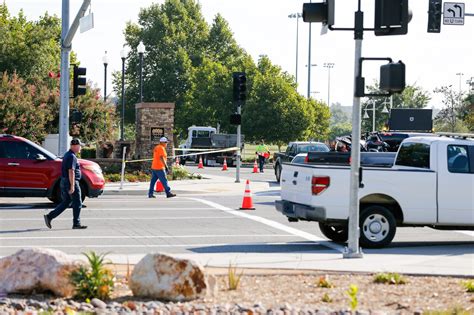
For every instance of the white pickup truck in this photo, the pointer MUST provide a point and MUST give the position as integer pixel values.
(430, 184)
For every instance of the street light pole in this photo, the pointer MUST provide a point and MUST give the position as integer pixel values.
(297, 16)
(105, 60)
(123, 55)
(141, 51)
(329, 65)
(309, 61)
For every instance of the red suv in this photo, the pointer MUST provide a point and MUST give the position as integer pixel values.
(28, 170)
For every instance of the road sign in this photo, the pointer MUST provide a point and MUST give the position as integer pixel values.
(453, 13)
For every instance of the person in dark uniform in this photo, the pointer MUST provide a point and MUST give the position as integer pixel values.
(70, 188)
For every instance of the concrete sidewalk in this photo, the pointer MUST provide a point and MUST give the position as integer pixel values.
(209, 184)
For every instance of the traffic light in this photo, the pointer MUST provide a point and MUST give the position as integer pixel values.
(235, 119)
(391, 17)
(434, 16)
(239, 86)
(76, 116)
(392, 77)
(79, 81)
(319, 12)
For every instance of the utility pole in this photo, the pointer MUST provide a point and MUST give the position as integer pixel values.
(67, 34)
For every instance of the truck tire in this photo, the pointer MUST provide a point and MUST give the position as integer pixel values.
(337, 233)
(377, 227)
(278, 172)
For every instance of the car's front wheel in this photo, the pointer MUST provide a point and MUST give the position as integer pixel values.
(56, 196)
(377, 227)
(337, 233)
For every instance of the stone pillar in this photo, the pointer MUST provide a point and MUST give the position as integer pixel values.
(153, 121)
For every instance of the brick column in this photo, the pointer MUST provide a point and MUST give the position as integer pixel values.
(153, 120)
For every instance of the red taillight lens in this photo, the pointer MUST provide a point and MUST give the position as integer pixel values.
(306, 159)
(319, 184)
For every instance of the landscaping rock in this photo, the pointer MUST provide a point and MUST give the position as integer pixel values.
(37, 270)
(165, 277)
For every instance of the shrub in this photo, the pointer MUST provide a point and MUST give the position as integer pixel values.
(233, 278)
(326, 298)
(323, 282)
(389, 278)
(179, 172)
(112, 178)
(469, 285)
(95, 280)
(88, 153)
(352, 293)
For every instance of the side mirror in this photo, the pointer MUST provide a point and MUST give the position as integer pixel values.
(40, 157)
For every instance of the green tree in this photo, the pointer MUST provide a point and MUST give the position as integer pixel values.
(29, 48)
(340, 123)
(411, 97)
(456, 109)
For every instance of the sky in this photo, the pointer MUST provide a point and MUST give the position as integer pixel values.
(262, 27)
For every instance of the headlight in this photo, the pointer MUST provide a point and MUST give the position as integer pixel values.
(93, 168)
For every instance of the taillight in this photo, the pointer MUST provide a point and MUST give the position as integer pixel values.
(319, 184)
(306, 159)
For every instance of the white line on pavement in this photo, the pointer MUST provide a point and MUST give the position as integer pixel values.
(122, 218)
(84, 210)
(273, 224)
(157, 245)
(138, 236)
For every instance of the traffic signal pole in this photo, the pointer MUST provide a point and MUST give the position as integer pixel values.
(239, 145)
(67, 34)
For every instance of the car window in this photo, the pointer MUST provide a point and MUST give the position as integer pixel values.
(458, 159)
(2, 149)
(313, 148)
(414, 155)
(20, 150)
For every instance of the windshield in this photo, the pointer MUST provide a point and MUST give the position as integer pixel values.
(313, 148)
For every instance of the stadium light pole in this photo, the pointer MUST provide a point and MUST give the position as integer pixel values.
(329, 65)
(296, 16)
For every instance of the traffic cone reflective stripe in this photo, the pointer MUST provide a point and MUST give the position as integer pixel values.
(255, 167)
(224, 167)
(200, 163)
(247, 203)
(159, 186)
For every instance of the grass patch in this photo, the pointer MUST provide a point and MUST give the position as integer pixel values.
(389, 278)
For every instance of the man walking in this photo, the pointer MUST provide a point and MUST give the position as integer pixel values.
(158, 168)
(70, 188)
(262, 151)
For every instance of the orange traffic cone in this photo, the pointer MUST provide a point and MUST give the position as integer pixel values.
(255, 167)
(224, 167)
(200, 163)
(159, 186)
(177, 161)
(247, 203)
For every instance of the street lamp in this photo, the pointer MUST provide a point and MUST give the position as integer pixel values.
(141, 51)
(366, 116)
(297, 17)
(105, 60)
(329, 65)
(123, 55)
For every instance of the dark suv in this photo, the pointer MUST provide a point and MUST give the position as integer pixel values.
(28, 170)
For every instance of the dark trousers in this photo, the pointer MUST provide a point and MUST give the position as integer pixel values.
(68, 200)
(158, 175)
(261, 162)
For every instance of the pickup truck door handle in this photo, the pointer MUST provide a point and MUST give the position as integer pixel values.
(294, 182)
(295, 174)
(13, 164)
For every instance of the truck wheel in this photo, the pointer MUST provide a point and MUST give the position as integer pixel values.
(337, 233)
(278, 172)
(378, 227)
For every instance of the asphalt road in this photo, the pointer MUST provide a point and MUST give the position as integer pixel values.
(211, 228)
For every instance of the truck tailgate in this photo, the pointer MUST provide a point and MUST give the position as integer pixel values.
(296, 183)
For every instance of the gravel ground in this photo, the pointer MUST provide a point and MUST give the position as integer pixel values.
(287, 292)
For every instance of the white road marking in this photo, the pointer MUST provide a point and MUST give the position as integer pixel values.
(158, 245)
(121, 218)
(84, 210)
(276, 225)
(138, 236)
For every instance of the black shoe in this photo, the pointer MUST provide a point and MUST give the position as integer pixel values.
(47, 221)
(151, 197)
(170, 195)
(79, 227)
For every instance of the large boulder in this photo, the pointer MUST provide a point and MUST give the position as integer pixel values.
(168, 278)
(37, 270)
